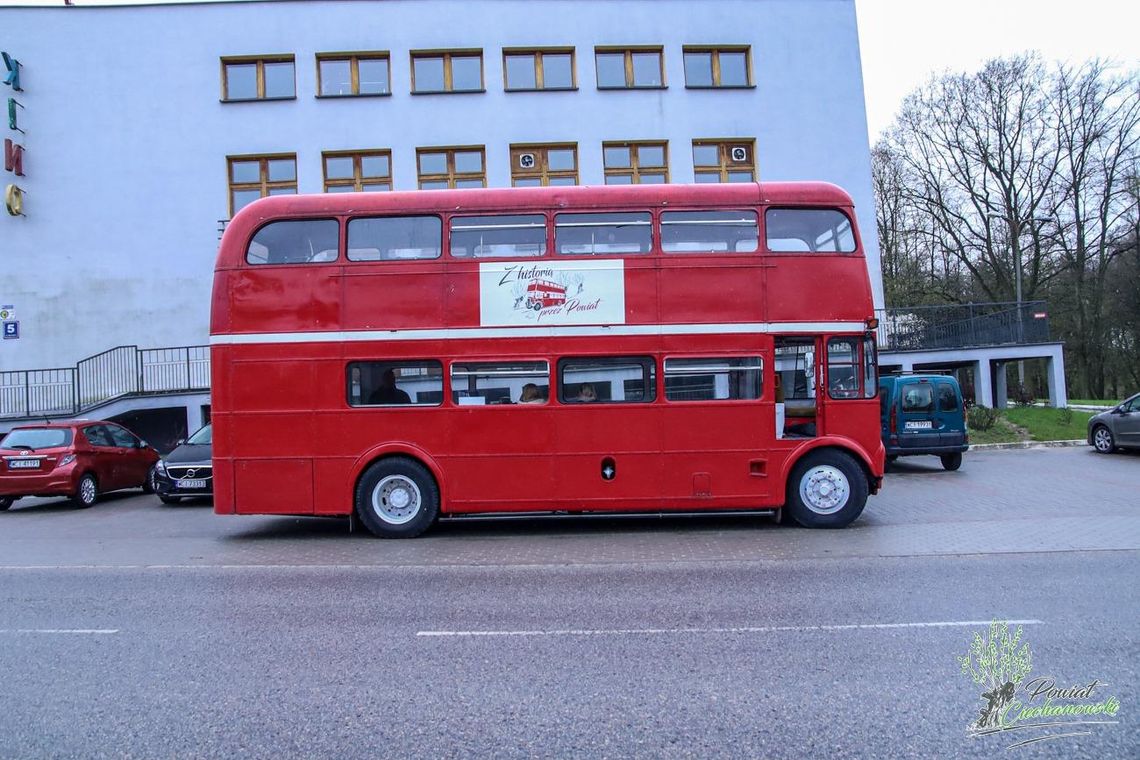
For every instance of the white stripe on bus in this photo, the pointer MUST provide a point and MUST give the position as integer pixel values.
(550, 331)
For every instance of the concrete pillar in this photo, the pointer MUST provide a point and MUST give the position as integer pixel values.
(1055, 374)
(1001, 391)
(983, 383)
(194, 418)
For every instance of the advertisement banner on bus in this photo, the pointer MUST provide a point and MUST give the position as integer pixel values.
(554, 292)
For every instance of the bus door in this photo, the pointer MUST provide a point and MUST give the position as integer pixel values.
(717, 429)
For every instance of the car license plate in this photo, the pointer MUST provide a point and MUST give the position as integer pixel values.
(919, 425)
(23, 464)
(192, 483)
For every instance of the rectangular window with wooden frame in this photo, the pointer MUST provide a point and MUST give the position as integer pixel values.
(621, 68)
(439, 71)
(253, 177)
(724, 160)
(718, 67)
(452, 167)
(543, 165)
(636, 163)
(530, 69)
(357, 171)
(258, 78)
(345, 75)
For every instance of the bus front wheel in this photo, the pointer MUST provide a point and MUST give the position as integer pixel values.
(828, 489)
(397, 498)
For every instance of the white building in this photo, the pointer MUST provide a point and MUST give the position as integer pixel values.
(142, 126)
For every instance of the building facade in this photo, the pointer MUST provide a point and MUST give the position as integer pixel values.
(137, 131)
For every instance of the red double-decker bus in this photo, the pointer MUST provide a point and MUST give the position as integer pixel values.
(711, 348)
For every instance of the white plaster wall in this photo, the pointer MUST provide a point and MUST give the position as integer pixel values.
(126, 137)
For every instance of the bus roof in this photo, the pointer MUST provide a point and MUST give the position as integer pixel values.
(508, 199)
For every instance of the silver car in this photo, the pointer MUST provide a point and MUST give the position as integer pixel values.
(1119, 427)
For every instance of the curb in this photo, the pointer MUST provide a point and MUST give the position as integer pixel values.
(1028, 445)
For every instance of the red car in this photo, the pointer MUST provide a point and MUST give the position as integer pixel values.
(76, 458)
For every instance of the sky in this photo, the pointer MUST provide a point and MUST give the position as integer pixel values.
(904, 42)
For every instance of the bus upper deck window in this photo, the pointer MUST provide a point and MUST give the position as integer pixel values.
(295, 242)
(603, 233)
(490, 236)
(709, 232)
(394, 238)
(814, 230)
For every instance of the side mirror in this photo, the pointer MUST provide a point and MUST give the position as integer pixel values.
(142, 445)
(180, 441)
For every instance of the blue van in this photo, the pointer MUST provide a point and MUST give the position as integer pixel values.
(923, 414)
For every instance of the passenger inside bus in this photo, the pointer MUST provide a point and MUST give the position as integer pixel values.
(387, 392)
(586, 393)
(531, 395)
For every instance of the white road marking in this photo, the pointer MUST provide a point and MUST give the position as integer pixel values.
(738, 629)
(92, 631)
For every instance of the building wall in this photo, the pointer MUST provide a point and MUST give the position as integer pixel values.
(126, 136)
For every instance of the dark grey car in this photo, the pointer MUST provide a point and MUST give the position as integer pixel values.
(1119, 427)
(187, 471)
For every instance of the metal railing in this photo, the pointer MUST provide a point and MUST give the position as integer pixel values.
(119, 372)
(962, 326)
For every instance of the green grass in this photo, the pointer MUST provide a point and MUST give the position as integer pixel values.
(1044, 424)
(1094, 402)
(1001, 432)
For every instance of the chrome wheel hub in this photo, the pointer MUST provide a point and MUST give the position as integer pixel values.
(396, 499)
(824, 489)
(1102, 439)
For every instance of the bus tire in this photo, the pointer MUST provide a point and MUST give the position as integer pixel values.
(828, 489)
(397, 498)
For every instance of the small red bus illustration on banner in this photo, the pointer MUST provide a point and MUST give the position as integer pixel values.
(542, 294)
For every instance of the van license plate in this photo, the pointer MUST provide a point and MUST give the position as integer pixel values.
(191, 484)
(23, 464)
(919, 425)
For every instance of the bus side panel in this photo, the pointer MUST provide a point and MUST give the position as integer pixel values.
(392, 295)
(271, 437)
(500, 457)
(715, 289)
(588, 437)
(221, 405)
(285, 298)
(716, 451)
(797, 292)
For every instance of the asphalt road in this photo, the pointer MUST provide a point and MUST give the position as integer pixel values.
(138, 630)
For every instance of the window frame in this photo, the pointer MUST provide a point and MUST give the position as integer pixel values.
(451, 229)
(714, 52)
(264, 184)
(260, 61)
(724, 147)
(358, 179)
(649, 377)
(539, 68)
(451, 176)
(703, 371)
(768, 249)
(448, 74)
(662, 224)
(406, 215)
(286, 221)
(557, 244)
(634, 171)
(381, 366)
(541, 170)
(503, 370)
(354, 59)
(628, 51)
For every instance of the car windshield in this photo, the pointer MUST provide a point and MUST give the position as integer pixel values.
(202, 438)
(36, 438)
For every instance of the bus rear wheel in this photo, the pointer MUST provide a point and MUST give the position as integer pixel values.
(828, 489)
(397, 498)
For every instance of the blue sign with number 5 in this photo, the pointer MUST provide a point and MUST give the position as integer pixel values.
(11, 330)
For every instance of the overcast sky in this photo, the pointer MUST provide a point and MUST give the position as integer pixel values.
(903, 42)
